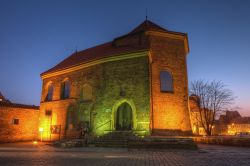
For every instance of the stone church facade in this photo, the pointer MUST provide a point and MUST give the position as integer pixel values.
(137, 82)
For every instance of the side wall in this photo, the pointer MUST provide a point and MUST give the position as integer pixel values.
(91, 76)
(170, 113)
(111, 83)
(26, 130)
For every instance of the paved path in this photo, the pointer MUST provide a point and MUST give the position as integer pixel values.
(28, 154)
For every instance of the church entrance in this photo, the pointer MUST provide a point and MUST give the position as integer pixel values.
(124, 117)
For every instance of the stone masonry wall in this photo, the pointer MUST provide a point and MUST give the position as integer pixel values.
(78, 79)
(27, 127)
(106, 80)
(124, 81)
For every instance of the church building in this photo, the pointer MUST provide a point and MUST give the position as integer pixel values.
(136, 82)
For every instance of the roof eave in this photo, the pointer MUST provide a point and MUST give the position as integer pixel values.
(98, 61)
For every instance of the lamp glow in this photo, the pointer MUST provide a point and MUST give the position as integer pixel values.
(41, 133)
(40, 129)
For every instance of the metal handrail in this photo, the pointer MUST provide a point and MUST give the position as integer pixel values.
(104, 124)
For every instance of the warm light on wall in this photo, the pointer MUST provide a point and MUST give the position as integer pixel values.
(41, 133)
(40, 129)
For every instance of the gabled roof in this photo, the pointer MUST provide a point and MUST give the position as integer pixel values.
(94, 53)
(108, 49)
(148, 25)
(241, 120)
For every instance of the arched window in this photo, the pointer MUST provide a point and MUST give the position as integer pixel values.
(65, 89)
(50, 90)
(166, 81)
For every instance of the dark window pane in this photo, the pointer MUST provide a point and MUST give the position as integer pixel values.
(15, 121)
(48, 112)
(50, 92)
(65, 90)
(166, 81)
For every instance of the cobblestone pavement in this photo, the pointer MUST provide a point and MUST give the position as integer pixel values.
(28, 154)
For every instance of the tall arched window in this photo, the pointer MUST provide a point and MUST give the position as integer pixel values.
(166, 81)
(65, 89)
(50, 90)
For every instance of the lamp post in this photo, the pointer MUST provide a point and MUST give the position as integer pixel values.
(41, 133)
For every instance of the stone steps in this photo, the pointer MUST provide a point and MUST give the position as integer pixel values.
(114, 139)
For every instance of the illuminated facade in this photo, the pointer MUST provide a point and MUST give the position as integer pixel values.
(195, 119)
(231, 123)
(18, 122)
(137, 82)
(234, 123)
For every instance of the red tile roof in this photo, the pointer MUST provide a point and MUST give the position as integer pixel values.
(241, 120)
(108, 49)
(94, 53)
(15, 105)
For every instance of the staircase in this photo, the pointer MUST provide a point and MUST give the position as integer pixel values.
(114, 139)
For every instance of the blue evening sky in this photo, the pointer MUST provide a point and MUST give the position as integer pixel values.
(37, 34)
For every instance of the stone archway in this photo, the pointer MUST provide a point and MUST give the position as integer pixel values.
(124, 113)
(124, 117)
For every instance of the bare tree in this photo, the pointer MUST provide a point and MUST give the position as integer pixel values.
(213, 98)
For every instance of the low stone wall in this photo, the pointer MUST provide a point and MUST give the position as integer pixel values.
(224, 140)
(18, 122)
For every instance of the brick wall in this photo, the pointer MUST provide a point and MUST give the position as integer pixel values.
(27, 127)
(170, 109)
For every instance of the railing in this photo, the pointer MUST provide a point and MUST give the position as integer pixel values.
(104, 125)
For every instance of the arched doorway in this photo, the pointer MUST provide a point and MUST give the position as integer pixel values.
(124, 117)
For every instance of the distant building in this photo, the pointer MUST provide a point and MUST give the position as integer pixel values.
(238, 125)
(136, 82)
(228, 124)
(18, 122)
(195, 116)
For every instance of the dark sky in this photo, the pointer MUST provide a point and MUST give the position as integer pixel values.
(35, 35)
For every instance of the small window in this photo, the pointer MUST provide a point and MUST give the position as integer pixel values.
(65, 89)
(50, 92)
(48, 112)
(15, 121)
(166, 81)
